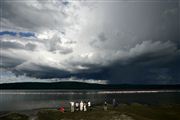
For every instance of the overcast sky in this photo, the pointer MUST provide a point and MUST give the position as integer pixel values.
(119, 41)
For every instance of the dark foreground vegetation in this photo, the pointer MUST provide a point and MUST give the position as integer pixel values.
(133, 111)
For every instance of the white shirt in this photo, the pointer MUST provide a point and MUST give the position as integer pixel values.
(72, 103)
(77, 104)
(89, 104)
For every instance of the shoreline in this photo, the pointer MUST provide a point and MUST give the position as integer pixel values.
(134, 111)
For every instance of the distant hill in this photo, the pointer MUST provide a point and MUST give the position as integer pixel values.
(85, 86)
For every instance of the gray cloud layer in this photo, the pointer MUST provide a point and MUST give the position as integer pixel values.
(122, 41)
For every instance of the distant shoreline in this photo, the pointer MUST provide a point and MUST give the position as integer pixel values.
(86, 86)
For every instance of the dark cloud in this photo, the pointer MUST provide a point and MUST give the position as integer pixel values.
(16, 45)
(8, 62)
(134, 73)
(42, 72)
(13, 45)
(30, 46)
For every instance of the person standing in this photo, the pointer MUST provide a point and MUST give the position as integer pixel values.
(89, 105)
(81, 106)
(114, 103)
(72, 106)
(85, 107)
(105, 106)
(77, 106)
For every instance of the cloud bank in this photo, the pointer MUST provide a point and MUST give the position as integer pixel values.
(91, 40)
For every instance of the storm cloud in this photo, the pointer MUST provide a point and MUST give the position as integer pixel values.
(133, 42)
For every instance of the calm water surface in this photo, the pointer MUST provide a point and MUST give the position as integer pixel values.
(35, 99)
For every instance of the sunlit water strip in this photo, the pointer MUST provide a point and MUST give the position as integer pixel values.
(54, 92)
(138, 91)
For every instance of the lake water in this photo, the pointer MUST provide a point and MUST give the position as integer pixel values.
(11, 100)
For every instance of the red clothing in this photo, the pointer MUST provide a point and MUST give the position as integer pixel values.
(61, 109)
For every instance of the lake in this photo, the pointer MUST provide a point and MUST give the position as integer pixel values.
(14, 100)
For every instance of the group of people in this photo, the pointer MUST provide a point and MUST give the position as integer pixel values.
(82, 106)
(86, 106)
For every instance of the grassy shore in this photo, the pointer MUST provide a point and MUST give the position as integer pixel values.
(133, 111)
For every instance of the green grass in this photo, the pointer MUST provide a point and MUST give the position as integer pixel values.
(122, 112)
